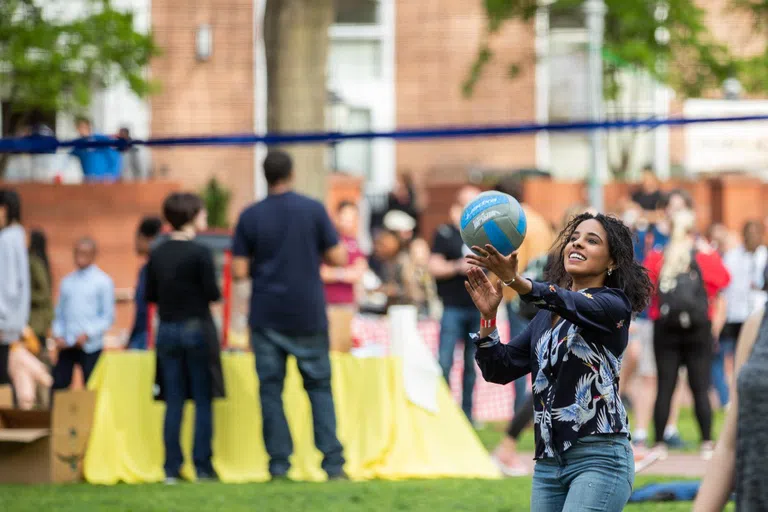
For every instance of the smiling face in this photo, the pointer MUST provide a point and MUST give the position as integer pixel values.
(587, 253)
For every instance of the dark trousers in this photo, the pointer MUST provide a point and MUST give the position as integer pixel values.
(522, 419)
(271, 350)
(517, 325)
(65, 366)
(183, 357)
(138, 341)
(694, 350)
(4, 376)
(457, 324)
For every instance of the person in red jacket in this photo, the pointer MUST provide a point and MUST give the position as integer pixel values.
(687, 312)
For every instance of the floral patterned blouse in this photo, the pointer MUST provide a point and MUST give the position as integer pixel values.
(575, 362)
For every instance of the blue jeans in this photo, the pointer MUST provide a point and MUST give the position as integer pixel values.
(271, 350)
(183, 356)
(719, 379)
(456, 324)
(138, 341)
(517, 325)
(596, 473)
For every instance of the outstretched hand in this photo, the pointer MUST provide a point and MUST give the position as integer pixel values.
(505, 267)
(485, 294)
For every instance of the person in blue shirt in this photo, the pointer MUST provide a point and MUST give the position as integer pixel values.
(84, 313)
(149, 229)
(281, 242)
(102, 164)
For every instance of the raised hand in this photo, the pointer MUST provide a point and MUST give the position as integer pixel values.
(485, 294)
(505, 267)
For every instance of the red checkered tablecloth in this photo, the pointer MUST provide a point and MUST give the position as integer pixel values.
(491, 402)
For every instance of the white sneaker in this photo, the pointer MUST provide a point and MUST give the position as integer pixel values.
(707, 450)
(511, 471)
(169, 480)
(645, 457)
(661, 451)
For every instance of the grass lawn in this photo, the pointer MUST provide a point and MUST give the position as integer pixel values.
(416, 495)
(444, 495)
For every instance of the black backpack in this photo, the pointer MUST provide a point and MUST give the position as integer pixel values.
(685, 307)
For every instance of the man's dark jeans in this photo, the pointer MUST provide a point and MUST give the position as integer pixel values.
(183, 357)
(271, 350)
(517, 325)
(65, 366)
(457, 324)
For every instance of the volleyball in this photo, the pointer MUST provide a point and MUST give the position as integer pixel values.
(494, 218)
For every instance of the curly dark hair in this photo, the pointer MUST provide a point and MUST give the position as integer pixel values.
(629, 276)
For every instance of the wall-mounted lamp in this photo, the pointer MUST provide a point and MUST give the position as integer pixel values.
(203, 43)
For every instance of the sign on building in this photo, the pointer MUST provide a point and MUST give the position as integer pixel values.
(733, 146)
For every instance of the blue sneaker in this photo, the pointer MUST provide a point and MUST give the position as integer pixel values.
(675, 442)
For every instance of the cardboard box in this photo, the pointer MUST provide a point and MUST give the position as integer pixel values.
(340, 327)
(46, 446)
(6, 396)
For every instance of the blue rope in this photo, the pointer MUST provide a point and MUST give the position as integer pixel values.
(49, 144)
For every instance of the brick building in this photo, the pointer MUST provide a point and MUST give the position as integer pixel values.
(392, 63)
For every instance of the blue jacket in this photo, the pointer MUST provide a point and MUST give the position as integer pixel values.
(99, 164)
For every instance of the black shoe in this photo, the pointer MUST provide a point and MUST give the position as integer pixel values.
(675, 442)
(172, 478)
(338, 477)
(283, 477)
(207, 476)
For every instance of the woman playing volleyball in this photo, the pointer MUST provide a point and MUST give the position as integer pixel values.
(573, 348)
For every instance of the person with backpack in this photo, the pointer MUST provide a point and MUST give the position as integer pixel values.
(686, 311)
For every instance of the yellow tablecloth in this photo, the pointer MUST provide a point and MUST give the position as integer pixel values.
(384, 435)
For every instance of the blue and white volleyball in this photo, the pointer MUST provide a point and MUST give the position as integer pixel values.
(494, 218)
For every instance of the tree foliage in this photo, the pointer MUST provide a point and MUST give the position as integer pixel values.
(217, 199)
(689, 59)
(51, 63)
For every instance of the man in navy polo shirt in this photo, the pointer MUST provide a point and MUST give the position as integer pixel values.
(282, 241)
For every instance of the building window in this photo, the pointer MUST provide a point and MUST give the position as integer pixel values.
(355, 60)
(357, 12)
(361, 75)
(567, 64)
(356, 156)
(566, 17)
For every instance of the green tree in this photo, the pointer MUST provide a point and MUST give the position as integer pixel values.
(666, 39)
(754, 68)
(217, 199)
(690, 61)
(53, 64)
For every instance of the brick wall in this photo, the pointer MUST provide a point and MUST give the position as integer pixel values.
(213, 97)
(436, 43)
(108, 213)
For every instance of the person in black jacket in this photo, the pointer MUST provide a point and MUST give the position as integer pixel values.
(573, 348)
(181, 280)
